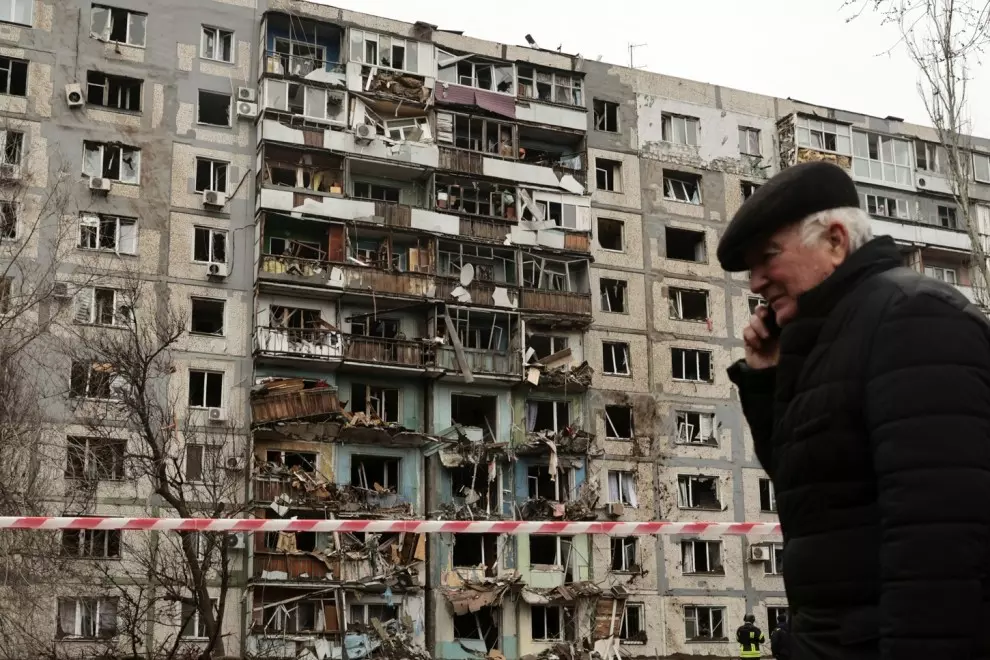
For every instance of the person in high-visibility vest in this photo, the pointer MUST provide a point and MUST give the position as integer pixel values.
(749, 637)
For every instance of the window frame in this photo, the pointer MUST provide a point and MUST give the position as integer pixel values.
(10, 210)
(223, 316)
(91, 464)
(622, 234)
(985, 158)
(622, 295)
(85, 540)
(230, 108)
(765, 483)
(109, 28)
(217, 34)
(682, 420)
(717, 560)
(747, 134)
(627, 544)
(822, 127)
(623, 633)
(621, 476)
(88, 395)
(692, 613)
(609, 422)
(605, 105)
(122, 149)
(684, 362)
(86, 299)
(951, 217)
(210, 242)
(682, 181)
(561, 621)
(776, 564)
(611, 346)
(11, 17)
(206, 380)
(123, 99)
(940, 272)
(691, 480)
(195, 620)
(690, 128)
(214, 179)
(8, 63)
(674, 295)
(78, 618)
(97, 222)
(612, 171)
(866, 138)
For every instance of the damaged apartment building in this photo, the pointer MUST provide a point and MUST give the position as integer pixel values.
(435, 277)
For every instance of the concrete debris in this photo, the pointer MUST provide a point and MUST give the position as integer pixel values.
(569, 440)
(471, 596)
(398, 84)
(308, 488)
(567, 593)
(582, 507)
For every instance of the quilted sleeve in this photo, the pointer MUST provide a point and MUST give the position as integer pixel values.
(756, 389)
(927, 412)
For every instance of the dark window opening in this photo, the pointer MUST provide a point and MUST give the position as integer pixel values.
(541, 485)
(754, 302)
(548, 549)
(476, 550)
(205, 389)
(91, 380)
(606, 116)
(685, 244)
(947, 217)
(691, 364)
(613, 294)
(202, 462)
(368, 326)
(701, 557)
(698, 492)
(207, 316)
(632, 624)
(475, 411)
(695, 427)
(210, 245)
(116, 92)
(624, 554)
(13, 77)
(768, 499)
(214, 108)
(773, 614)
(91, 543)
(302, 459)
(618, 422)
(379, 402)
(482, 625)
(364, 190)
(615, 358)
(469, 485)
(95, 458)
(375, 473)
(211, 175)
(8, 220)
(546, 622)
(610, 234)
(553, 416)
(608, 174)
(748, 189)
(546, 345)
(680, 187)
(688, 305)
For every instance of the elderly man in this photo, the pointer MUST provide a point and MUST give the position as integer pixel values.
(869, 404)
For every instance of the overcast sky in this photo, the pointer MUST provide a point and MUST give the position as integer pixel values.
(803, 50)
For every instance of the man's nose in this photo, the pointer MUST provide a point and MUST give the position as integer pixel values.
(757, 279)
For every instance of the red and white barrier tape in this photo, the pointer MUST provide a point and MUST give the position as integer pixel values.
(513, 527)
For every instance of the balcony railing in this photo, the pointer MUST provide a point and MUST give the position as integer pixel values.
(560, 302)
(481, 361)
(399, 352)
(295, 405)
(312, 343)
(285, 265)
(395, 215)
(283, 64)
(578, 242)
(284, 566)
(388, 282)
(460, 160)
(488, 230)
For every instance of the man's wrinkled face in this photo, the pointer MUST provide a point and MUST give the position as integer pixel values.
(784, 267)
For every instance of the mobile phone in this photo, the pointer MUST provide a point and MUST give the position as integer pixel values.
(770, 321)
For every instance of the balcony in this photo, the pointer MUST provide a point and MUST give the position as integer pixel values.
(372, 280)
(555, 302)
(299, 404)
(306, 343)
(481, 362)
(280, 567)
(485, 230)
(301, 66)
(387, 351)
(460, 160)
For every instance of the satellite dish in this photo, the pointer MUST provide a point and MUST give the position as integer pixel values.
(467, 274)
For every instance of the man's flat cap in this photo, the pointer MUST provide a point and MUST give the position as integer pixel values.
(792, 195)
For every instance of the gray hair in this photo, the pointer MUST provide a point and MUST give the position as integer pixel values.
(854, 219)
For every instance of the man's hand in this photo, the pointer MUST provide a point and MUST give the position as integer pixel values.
(762, 349)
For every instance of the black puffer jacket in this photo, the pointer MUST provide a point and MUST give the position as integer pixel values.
(875, 429)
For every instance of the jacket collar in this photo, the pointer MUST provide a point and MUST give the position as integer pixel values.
(876, 256)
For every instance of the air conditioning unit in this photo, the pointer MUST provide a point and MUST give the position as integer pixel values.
(217, 270)
(615, 508)
(247, 94)
(237, 541)
(921, 182)
(234, 463)
(60, 290)
(74, 95)
(759, 553)
(217, 415)
(99, 183)
(365, 132)
(214, 198)
(246, 110)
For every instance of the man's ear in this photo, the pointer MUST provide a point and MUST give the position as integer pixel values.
(838, 241)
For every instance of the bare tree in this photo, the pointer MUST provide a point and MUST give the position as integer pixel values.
(944, 38)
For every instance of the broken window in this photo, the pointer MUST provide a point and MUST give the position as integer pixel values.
(112, 161)
(298, 58)
(696, 427)
(476, 550)
(622, 488)
(119, 25)
(701, 557)
(9, 225)
(776, 564)
(6, 285)
(375, 472)
(547, 623)
(624, 554)
(207, 316)
(704, 623)
(364, 612)
(209, 245)
(550, 87)
(470, 483)
(549, 275)
(87, 618)
(749, 141)
(101, 306)
(688, 305)
(108, 232)
(478, 134)
(618, 422)
(615, 358)
(613, 294)
(475, 411)
(380, 402)
(205, 389)
(947, 275)
(543, 483)
(193, 627)
(633, 628)
(888, 207)
(476, 198)
(610, 234)
(608, 174)
(680, 187)
(549, 550)
(407, 128)
(17, 11)
(214, 108)
(201, 462)
(116, 92)
(748, 188)
(773, 614)
(91, 543)
(11, 148)
(691, 364)
(685, 244)
(384, 50)
(480, 626)
(947, 217)
(99, 459)
(305, 460)
(545, 345)
(824, 135)
(551, 416)
(927, 155)
(92, 381)
(678, 129)
(768, 499)
(211, 175)
(13, 77)
(363, 190)
(694, 492)
(296, 248)
(217, 44)
(606, 116)
(481, 74)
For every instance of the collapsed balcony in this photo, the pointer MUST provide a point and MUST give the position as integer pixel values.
(395, 189)
(551, 367)
(477, 274)
(305, 171)
(563, 151)
(483, 342)
(390, 263)
(298, 333)
(555, 286)
(279, 399)
(380, 337)
(475, 198)
(297, 47)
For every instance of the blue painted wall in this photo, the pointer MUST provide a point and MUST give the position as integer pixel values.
(411, 395)
(441, 406)
(327, 35)
(410, 468)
